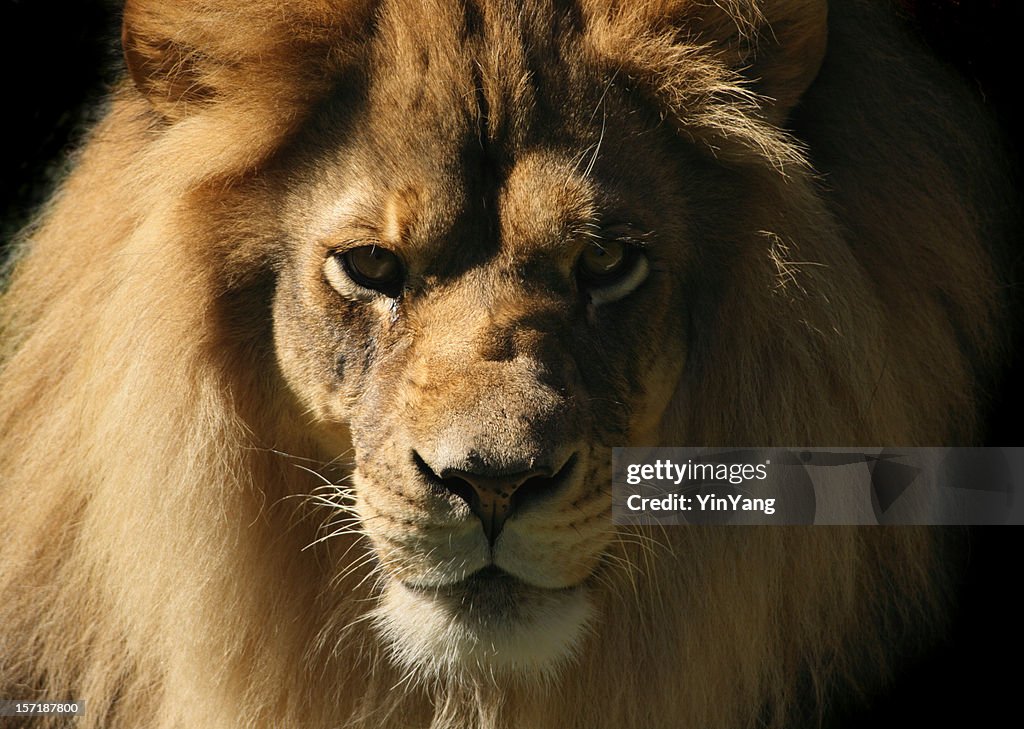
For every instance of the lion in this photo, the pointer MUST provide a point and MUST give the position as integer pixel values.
(313, 365)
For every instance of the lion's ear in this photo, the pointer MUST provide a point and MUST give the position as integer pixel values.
(778, 44)
(165, 55)
(184, 54)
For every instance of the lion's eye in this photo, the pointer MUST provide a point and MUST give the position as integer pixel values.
(601, 261)
(375, 268)
(610, 270)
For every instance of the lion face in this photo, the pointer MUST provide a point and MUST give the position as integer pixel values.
(479, 286)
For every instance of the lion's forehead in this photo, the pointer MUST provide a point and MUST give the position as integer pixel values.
(468, 136)
(460, 64)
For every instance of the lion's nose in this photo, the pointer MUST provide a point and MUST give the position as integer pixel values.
(493, 496)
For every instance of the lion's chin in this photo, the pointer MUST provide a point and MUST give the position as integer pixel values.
(488, 624)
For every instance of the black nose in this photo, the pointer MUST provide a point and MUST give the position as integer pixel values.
(494, 495)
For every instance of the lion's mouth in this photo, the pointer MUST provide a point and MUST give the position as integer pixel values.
(487, 579)
(457, 598)
(490, 593)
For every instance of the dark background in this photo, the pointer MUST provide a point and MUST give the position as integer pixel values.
(59, 59)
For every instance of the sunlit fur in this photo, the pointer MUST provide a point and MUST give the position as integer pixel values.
(169, 552)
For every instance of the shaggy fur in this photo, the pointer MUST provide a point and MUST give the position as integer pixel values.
(184, 397)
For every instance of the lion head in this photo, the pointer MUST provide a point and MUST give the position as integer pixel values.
(486, 322)
(320, 354)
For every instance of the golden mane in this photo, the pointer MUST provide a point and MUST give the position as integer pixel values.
(159, 561)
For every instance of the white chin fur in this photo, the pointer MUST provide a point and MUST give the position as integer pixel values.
(433, 638)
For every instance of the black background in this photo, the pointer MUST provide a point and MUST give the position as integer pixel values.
(59, 59)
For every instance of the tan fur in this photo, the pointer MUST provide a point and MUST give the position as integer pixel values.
(206, 512)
